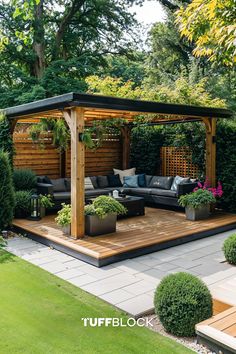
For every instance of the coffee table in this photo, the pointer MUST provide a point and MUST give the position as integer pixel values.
(134, 205)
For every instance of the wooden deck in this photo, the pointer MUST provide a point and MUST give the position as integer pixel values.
(158, 229)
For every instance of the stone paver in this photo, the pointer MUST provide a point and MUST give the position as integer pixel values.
(130, 284)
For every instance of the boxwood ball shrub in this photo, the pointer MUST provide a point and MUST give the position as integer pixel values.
(181, 301)
(24, 179)
(229, 249)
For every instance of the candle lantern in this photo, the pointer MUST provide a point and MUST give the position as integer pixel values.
(35, 207)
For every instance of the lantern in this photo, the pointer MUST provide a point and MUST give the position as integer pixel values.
(35, 207)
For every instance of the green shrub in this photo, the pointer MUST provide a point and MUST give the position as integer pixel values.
(64, 215)
(181, 301)
(197, 199)
(6, 141)
(22, 206)
(24, 180)
(229, 249)
(103, 206)
(7, 200)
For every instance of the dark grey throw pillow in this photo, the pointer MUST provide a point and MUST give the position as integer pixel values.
(102, 181)
(161, 182)
(68, 184)
(94, 181)
(58, 185)
(148, 179)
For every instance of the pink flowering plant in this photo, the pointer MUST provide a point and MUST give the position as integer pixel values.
(217, 192)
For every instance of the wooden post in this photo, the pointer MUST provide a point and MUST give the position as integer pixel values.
(77, 172)
(126, 134)
(210, 124)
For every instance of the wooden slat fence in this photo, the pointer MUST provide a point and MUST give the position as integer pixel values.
(177, 161)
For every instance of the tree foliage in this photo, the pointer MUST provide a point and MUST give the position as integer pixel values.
(211, 25)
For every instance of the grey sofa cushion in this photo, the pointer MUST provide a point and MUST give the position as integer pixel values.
(148, 179)
(102, 181)
(161, 182)
(140, 191)
(179, 180)
(164, 192)
(68, 184)
(59, 185)
(61, 195)
(94, 181)
(96, 192)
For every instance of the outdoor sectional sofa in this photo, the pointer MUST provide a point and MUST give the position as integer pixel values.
(156, 189)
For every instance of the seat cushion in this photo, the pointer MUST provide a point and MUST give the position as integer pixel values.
(61, 195)
(140, 191)
(161, 182)
(58, 185)
(179, 180)
(163, 192)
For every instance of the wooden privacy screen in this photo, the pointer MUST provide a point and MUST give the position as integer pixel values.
(44, 159)
(177, 161)
(103, 160)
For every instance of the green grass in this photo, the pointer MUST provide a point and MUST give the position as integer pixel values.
(42, 314)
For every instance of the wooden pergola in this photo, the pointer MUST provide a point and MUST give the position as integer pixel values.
(80, 109)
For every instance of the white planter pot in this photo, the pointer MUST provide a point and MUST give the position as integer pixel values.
(66, 230)
(200, 213)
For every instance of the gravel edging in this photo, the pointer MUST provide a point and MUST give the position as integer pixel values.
(189, 342)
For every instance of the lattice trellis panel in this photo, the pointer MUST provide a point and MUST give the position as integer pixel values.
(177, 161)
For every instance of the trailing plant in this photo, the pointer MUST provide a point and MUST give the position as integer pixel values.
(24, 179)
(64, 215)
(217, 192)
(181, 301)
(197, 199)
(7, 198)
(229, 248)
(6, 141)
(58, 128)
(46, 201)
(103, 206)
(22, 204)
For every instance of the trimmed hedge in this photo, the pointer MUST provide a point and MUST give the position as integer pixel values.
(22, 206)
(7, 198)
(229, 248)
(24, 179)
(181, 301)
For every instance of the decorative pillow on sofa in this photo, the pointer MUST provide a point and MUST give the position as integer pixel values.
(122, 173)
(88, 183)
(94, 181)
(161, 182)
(179, 180)
(114, 181)
(102, 181)
(68, 184)
(47, 180)
(142, 180)
(131, 181)
(58, 185)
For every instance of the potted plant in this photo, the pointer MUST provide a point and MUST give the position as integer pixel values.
(64, 218)
(45, 202)
(197, 204)
(101, 215)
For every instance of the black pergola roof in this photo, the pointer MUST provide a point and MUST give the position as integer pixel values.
(98, 102)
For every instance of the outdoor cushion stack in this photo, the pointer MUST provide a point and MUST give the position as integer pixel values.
(154, 189)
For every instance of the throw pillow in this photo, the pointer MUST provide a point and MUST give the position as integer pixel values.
(131, 181)
(179, 180)
(58, 185)
(114, 181)
(94, 181)
(102, 181)
(68, 184)
(88, 183)
(47, 180)
(142, 180)
(122, 173)
(161, 182)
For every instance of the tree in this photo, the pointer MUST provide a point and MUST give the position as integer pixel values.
(211, 26)
(7, 197)
(49, 47)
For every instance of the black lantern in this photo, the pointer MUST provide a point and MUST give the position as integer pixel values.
(35, 207)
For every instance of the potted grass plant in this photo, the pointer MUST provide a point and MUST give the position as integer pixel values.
(101, 215)
(197, 204)
(63, 218)
(45, 202)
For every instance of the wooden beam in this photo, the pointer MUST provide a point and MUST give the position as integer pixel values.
(210, 124)
(126, 134)
(77, 172)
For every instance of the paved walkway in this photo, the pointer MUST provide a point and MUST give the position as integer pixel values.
(129, 285)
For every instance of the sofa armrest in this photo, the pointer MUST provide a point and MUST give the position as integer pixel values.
(44, 188)
(185, 188)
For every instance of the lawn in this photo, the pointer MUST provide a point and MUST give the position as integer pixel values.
(42, 314)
